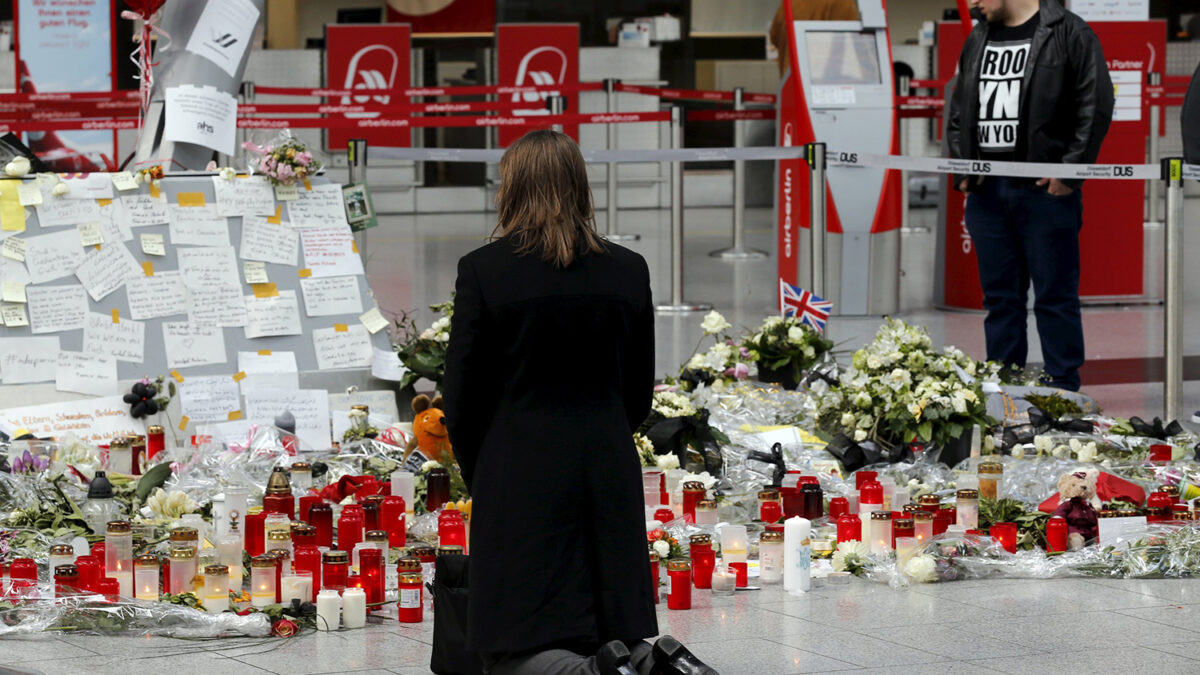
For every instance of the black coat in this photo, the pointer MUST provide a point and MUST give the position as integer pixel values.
(548, 373)
(1066, 94)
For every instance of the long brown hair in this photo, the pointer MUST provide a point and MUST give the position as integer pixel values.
(544, 202)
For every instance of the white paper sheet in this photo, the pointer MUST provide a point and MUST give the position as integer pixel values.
(89, 186)
(86, 374)
(217, 306)
(156, 297)
(279, 315)
(188, 345)
(267, 242)
(95, 420)
(250, 196)
(274, 370)
(53, 256)
(337, 350)
(28, 359)
(331, 296)
(222, 34)
(106, 270)
(57, 211)
(209, 267)
(329, 252)
(124, 341)
(115, 223)
(386, 365)
(321, 206)
(197, 226)
(309, 406)
(208, 398)
(144, 210)
(201, 115)
(53, 309)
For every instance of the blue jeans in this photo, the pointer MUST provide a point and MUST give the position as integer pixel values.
(1023, 233)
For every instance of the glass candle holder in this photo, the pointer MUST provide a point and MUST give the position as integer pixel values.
(967, 509)
(706, 512)
(276, 522)
(350, 529)
(410, 608)
(704, 561)
(280, 540)
(679, 583)
(308, 561)
(793, 500)
(990, 474)
(278, 497)
(404, 487)
(863, 477)
(120, 457)
(734, 543)
(741, 573)
(837, 507)
(156, 441)
(329, 610)
(303, 534)
(902, 527)
(301, 478)
(437, 489)
(724, 581)
(354, 608)
(118, 555)
(61, 554)
(305, 504)
(922, 526)
(66, 580)
(255, 536)
(699, 542)
(262, 581)
(185, 536)
(930, 503)
(182, 571)
(770, 557)
(89, 572)
(370, 507)
(1006, 534)
(881, 531)
(814, 501)
(452, 529)
(652, 480)
(320, 516)
(906, 548)
(370, 568)
(849, 528)
(335, 570)
(654, 577)
(391, 515)
(23, 577)
(870, 499)
(216, 588)
(693, 492)
(146, 571)
(283, 565)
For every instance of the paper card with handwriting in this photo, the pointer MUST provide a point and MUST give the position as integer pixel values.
(11, 270)
(220, 306)
(28, 359)
(208, 398)
(106, 270)
(94, 420)
(267, 242)
(251, 196)
(255, 272)
(198, 226)
(53, 309)
(386, 365)
(310, 407)
(53, 256)
(156, 297)
(270, 370)
(86, 374)
(13, 248)
(321, 206)
(209, 266)
(329, 252)
(124, 341)
(90, 186)
(13, 315)
(90, 234)
(277, 315)
(59, 212)
(152, 244)
(338, 349)
(189, 345)
(330, 296)
(144, 210)
(114, 223)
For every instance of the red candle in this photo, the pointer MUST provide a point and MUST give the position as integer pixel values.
(1158, 507)
(320, 516)
(849, 528)
(704, 561)
(679, 593)
(410, 609)
(654, 575)
(254, 533)
(391, 516)
(306, 503)
(335, 570)
(1006, 534)
(370, 566)
(437, 489)
(98, 554)
(1056, 535)
(110, 588)
(902, 527)
(863, 477)
(303, 534)
(22, 575)
(280, 503)
(837, 507)
(793, 501)
(770, 512)
(814, 500)
(664, 515)
(155, 441)
(370, 509)
(870, 497)
(308, 559)
(66, 581)
(349, 529)
(1160, 452)
(693, 491)
(89, 572)
(452, 529)
(742, 572)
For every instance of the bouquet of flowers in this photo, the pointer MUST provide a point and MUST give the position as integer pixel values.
(661, 542)
(899, 389)
(424, 353)
(724, 363)
(677, 427)
(784, 348)
(285, 161)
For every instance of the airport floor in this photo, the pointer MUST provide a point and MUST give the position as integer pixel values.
(1009, 626)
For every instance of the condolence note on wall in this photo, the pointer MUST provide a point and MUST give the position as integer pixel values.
(156, 297)
(278, 315)
(187, 345)
(143, 210)
(269, 242)
(124, 341)
(309, 406)
(345, 346)
(198, 226)
(208, 398)
(58, 212)
(251, 196)
(321, 206)
(94, 420)
(209, 266)
(53, 309)
(86, 374)
(331, 296)
(329, 252)
(221, 306)
(268, 370)
(106, 270)
(53, 256)
(28, 359)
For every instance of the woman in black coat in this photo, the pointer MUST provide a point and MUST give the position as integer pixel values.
(549, 370)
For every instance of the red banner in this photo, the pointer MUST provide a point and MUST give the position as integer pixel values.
(541, 54)
(444, 16)
(364, 58)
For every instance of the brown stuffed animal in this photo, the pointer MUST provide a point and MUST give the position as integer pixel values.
(1076, 489)
(429, 431)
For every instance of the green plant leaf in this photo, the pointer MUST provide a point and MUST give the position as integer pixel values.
(154, 478)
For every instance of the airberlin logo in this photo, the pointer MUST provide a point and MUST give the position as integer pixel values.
(538, 68)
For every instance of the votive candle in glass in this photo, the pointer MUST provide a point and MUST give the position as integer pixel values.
(967, 509)
(770, 557)
(155, 441)
(437, 489)
(654, 577)
(305, 505)
(814, 501)
(793, 501)
(906, 548)
(706, 512)
(89, 572)
(329, 609)
(216, 588)
(838, 506)
(410, 608)
(185, 536)
(301, 478)
(693, 491)
(254, 536)
(741, 571)
(308, 561)
(350, 527)
(1006, 534)
(370, 507)
(724, 581)
(863, 477)
(320, 516)
(303, 534)
(902, 527)
(870, 499)
(354, 608)
(66, 580)
(404, 487)
(769, 498)
(990, 474)
(182, 570)
(922, 526)
(849, 528)
(118, 555)
(698, 542)
(1056, 535)
(61, 554)
(370, 568)
(296, 586)
(280, 540)
(120, 457)
(262, 581)
(391, 515)
(881, 531)
(275, 522)
(734, 543)
(283, 565)
(335, 570)
(146, 571)
(452, 529)
(23, 577)
(679, 583)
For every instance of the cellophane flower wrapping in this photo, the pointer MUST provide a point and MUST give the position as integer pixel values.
(92, 614)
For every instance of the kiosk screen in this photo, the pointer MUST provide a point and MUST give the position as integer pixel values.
(839, 57)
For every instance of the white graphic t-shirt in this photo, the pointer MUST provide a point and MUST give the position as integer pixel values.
(1005, 60)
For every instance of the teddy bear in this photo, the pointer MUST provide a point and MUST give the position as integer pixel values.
(429, 430)
(1076, 491)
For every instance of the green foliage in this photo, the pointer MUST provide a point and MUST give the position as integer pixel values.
(1031, 524)
(423, 353)
(1055, 405)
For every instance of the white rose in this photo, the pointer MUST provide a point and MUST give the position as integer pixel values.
(667, 462)
(772, 321)
(441, 323)
(847, 419)
(60, 189)
(19, 166)
(442, 337)
(860, 435)
(874, 362)
(795, 333)
(228, 173)
(921, 568)
(1087, 453)
(697, 362)
(715, 323)
(1018, 451)
(662, 548)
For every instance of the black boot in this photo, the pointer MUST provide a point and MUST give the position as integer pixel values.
(613, 659)
(672, 658)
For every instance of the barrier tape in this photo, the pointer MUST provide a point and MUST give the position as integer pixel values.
(692, 94)
(71, 96)
(724, 115)
(118, 109)
(477, 90)
(920, 101)
(927, 84)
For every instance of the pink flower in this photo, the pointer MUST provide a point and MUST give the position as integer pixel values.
(304, 158)
(665, 387)
(741, 371)
(744, 352)
(285, 172)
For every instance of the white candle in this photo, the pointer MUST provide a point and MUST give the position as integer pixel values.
(734, 543)
(146, 583)
(724, 581)
(295, 586)
(354, 608)
(797, 555)
(124, 581)
(403, 485)
(329, 605)
(906, 548)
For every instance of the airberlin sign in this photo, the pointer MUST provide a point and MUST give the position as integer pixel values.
(366, 59)
(541, 55)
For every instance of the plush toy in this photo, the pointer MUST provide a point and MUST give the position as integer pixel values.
(429, 430)
(1076, 490)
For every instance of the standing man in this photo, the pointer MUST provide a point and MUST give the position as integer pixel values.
(1033, 87)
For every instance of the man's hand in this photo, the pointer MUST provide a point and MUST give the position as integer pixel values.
(1056, 187)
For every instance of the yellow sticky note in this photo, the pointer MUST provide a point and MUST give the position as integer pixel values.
(90, 234)
(123, 180)
(29, 194)
(14, 248)
(354, 246)
(12, 214)
(373, 320)
(265, 290)
(104, 202)
(116, 314)
(307, 185)
(304, 273)
(152, 244)
(13, 314)
(177, 375)
(276, 219)
(255, 272)
(183, 422)
(235, 415)
(190, 198)
(12, 291)
(286, 193)
(239, 376)
(155, 191)
(264, 352)
(148, 268)
(341, 327)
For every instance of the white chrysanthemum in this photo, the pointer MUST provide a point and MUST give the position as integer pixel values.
(172, 504)
(666, 462)
(715, 323)
(921, 568)
(848, 419)
(899, 378)
(671, 404)
(228, 173)
(848, 549)
(772, 321)
(441, 324)
(874, 362)
(860, 435)
(662, 548)
(18, 167)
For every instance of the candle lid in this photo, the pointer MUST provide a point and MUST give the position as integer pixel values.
(1181, 515)
(216, 570)
(278, 483)
(100, 487)
(768, 495)
(810, 488)
(968, 494)
(408, 565)
(903, 523)
(279, 554)
(694, 486)
(437, 471)
(377, 535)
(679, 565)
(119, 527)
(303, 529)
(929, 500)
(119, 442)
(770, 537)
(62, 549)
(182, 553)
(335, 557)
(147, 560)
(279, 535)
(66, 571)
(700, 539)
(364, 408)
(881, 515)
(411, 578)
(320, 506)
(184, 534)
(261, 562)
(450, 550)
(922, 516)
(301, 467)
(991, 467)
(706, 505)
(154, 429)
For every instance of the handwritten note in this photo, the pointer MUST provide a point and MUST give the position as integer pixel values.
(106, 270)
(273, 370)
(152, 244)
(255, 272)
(94, 420)
(342, 349)
(221, 306)
(124, 341)
(155, 297)
(86, 374)
(310, 407)
(14, 249)
(89, 186)
(13, 315)
(53, 309)
(330, 296)
(57, 212)
(329, 252)
(123, 180)
(267, 242)
(209, 266)
(251, 196)
(321, 206)
(144, 210)
(198, 226)
(373, 320)
(278, 315)
(208, 398)
(28, 359)
(114, 222)
(52, 256)
(189, 345)
(90, 234)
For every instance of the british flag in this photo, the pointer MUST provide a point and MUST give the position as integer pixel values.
(802, 304)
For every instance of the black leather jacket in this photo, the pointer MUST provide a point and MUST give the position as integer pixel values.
(1066, 96)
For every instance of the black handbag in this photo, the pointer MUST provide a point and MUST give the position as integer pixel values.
(449, 589)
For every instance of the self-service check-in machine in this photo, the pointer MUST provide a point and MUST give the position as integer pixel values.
(846, 101)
